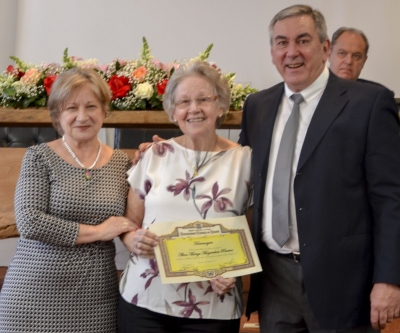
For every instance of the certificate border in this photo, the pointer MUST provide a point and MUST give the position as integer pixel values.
(210, 273)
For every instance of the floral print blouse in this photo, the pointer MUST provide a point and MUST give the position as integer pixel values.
(164, 179)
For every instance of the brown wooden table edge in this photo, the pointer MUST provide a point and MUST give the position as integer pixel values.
(116, 119)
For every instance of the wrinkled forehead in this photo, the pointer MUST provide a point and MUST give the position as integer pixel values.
(350, 40)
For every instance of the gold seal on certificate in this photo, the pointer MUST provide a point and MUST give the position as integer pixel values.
(191, 251)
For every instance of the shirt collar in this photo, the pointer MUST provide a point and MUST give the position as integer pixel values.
(314, 89)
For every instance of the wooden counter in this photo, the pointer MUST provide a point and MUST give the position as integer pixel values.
(118, 119)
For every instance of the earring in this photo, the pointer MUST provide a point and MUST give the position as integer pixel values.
(175, 120)
(220, 115)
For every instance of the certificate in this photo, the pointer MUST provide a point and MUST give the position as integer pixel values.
(190, 251)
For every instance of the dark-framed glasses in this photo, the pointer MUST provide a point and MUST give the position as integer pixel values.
(184, 104)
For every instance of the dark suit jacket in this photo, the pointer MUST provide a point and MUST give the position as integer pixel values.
(347, 195)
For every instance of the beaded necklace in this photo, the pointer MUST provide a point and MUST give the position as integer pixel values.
(88, 174)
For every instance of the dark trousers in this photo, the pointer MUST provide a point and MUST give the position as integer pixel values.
(134, 319)
(284, 303)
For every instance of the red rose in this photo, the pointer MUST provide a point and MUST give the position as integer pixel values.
(15, 71)
(20, 73)
(119, 86)
(161, 86)
(48, 82)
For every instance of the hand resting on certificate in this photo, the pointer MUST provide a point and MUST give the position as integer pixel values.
(142, 242)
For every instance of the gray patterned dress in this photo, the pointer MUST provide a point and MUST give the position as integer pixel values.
(53, 285)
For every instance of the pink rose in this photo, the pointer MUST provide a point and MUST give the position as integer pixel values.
(139, 73)
(103, 68)
(31, 76)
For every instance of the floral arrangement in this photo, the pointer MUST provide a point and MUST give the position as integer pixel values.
(136, 84)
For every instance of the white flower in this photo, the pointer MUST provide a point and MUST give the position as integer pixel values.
(19, 87)
(144, 90)
(88, 64)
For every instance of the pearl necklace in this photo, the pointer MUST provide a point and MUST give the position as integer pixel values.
(88, 174)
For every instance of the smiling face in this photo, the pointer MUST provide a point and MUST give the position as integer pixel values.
(82, 115)
(196, 108)
(348, 56)
(297, 52)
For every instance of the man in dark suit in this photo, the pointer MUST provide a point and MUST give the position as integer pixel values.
(348, 53)
(338, 267)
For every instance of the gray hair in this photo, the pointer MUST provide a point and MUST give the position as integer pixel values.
(341, 30)
(202, 69)
(300, 10)
(72, 79)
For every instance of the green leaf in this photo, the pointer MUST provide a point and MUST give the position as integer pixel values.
(142, 104)
(65, 57)
(114, 106)
(206, 54)
(41, 102)
(20, 64)
(145, 52)
(154, 103)
(9, 91)
(229, 76)
(67, 60)
(27, 101)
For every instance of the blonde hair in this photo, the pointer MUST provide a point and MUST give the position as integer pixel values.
(70, 80)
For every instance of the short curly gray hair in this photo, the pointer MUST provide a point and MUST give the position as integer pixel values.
(69, 80)
(202, 69)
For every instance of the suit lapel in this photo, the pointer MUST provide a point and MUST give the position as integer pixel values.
(266, 125)
(332, 102)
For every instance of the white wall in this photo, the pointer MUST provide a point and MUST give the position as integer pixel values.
(178, 29)
(8, 27)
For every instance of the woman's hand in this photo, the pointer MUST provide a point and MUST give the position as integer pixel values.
(114, 226)
(140, 242)
(106, 231)
(222, 285)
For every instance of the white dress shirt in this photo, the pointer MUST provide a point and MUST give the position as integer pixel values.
(311, 96)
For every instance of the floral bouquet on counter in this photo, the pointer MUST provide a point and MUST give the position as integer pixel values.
(136, 84)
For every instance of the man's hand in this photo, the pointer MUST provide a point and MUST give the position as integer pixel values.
(142, 148)
(385, 304)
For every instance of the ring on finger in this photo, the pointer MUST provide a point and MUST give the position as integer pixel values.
(125, 223)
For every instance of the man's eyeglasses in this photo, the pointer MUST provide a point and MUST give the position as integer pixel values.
(184, 104)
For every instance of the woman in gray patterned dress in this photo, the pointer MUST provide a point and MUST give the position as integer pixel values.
(69, 203)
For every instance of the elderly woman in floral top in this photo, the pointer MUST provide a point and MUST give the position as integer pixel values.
(198, 175)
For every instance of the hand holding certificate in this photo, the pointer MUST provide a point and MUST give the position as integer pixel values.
(191, 251)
